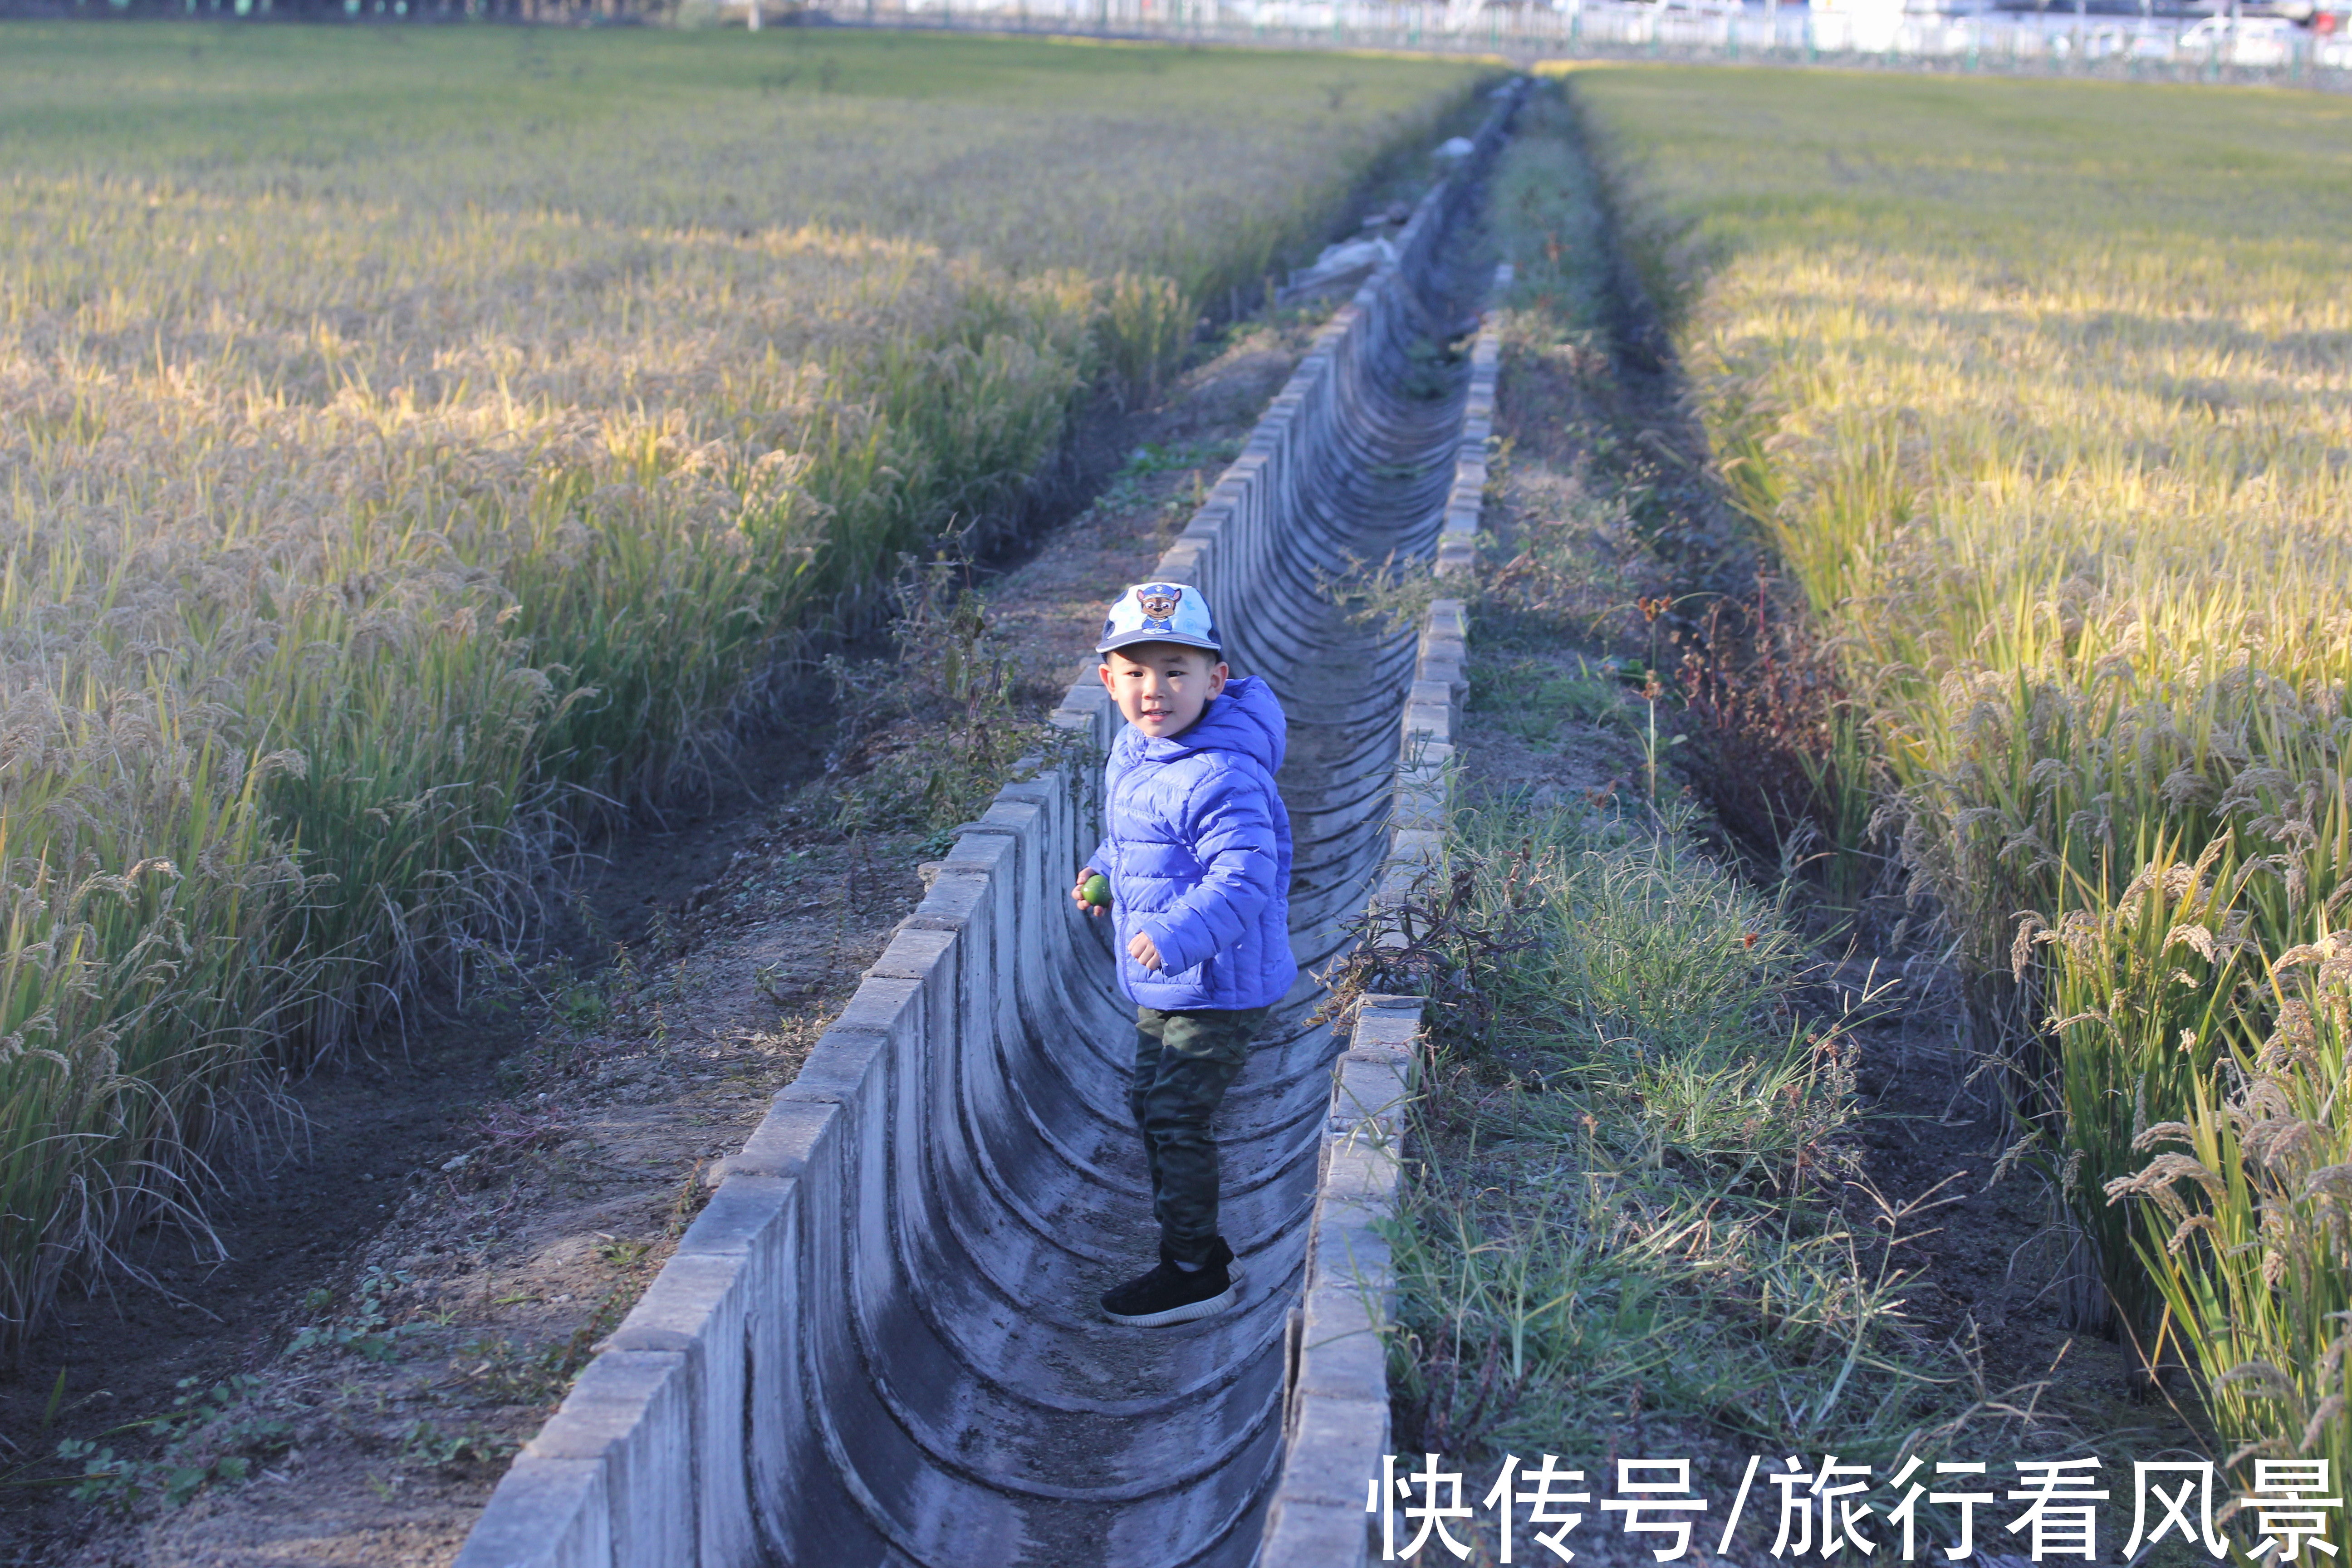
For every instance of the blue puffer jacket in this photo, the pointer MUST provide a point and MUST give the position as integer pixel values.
(1198, 856)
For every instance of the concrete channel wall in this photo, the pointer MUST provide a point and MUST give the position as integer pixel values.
(1337, 1418)
(874, 1344)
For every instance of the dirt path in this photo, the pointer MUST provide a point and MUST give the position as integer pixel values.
(411, 1288)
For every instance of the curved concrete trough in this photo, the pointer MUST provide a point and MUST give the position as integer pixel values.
(1337, 1422)
(878, 1342)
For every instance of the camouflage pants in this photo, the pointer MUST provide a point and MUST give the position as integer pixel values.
(1183, 1062)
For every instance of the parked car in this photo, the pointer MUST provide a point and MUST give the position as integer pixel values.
(2105, 43)
(2098, 44)
(2248, 41)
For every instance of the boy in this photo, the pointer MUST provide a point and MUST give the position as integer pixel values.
(1197, 854)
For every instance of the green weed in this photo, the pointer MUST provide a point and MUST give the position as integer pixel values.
(1532, 699)
(424, 1443)
(503, 1371)
(205, 1441)
(366, 1331)
(1390, 597)
(1637, 1200)
(932, 734)
(621, 1252)
(1128, 486)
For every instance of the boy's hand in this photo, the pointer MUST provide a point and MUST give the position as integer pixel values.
(1140, 948)
(1079, 893)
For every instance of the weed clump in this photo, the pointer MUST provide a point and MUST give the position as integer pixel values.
(930, 734)
(1634, 1179)
(210, 1437)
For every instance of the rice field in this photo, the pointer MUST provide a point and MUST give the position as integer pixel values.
(2039, 391)
(416, 446)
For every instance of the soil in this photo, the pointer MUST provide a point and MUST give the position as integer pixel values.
(409, 1285)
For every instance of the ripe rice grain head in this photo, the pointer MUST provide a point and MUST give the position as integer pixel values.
(2039, 391)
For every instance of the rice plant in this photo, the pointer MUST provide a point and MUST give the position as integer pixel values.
(415, 447)
(2247, 1222)
(2039, 390)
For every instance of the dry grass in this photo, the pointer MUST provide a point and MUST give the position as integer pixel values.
(2041, 391)
(416, 446)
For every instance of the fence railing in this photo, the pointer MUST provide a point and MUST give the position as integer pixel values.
(2059, 41)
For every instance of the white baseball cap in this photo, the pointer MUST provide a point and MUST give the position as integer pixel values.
(1159, 612)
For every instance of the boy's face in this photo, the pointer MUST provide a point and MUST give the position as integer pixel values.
(1162, 686)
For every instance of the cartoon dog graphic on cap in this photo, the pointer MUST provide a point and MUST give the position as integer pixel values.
(1158, 601)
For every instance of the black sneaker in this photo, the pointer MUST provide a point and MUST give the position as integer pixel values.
(1172, 1295)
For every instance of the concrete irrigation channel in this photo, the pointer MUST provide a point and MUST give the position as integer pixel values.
(878, 1342)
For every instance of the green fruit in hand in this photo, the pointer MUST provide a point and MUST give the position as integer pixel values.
(1097, 891)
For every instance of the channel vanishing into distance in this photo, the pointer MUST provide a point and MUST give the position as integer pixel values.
(879, 1343)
